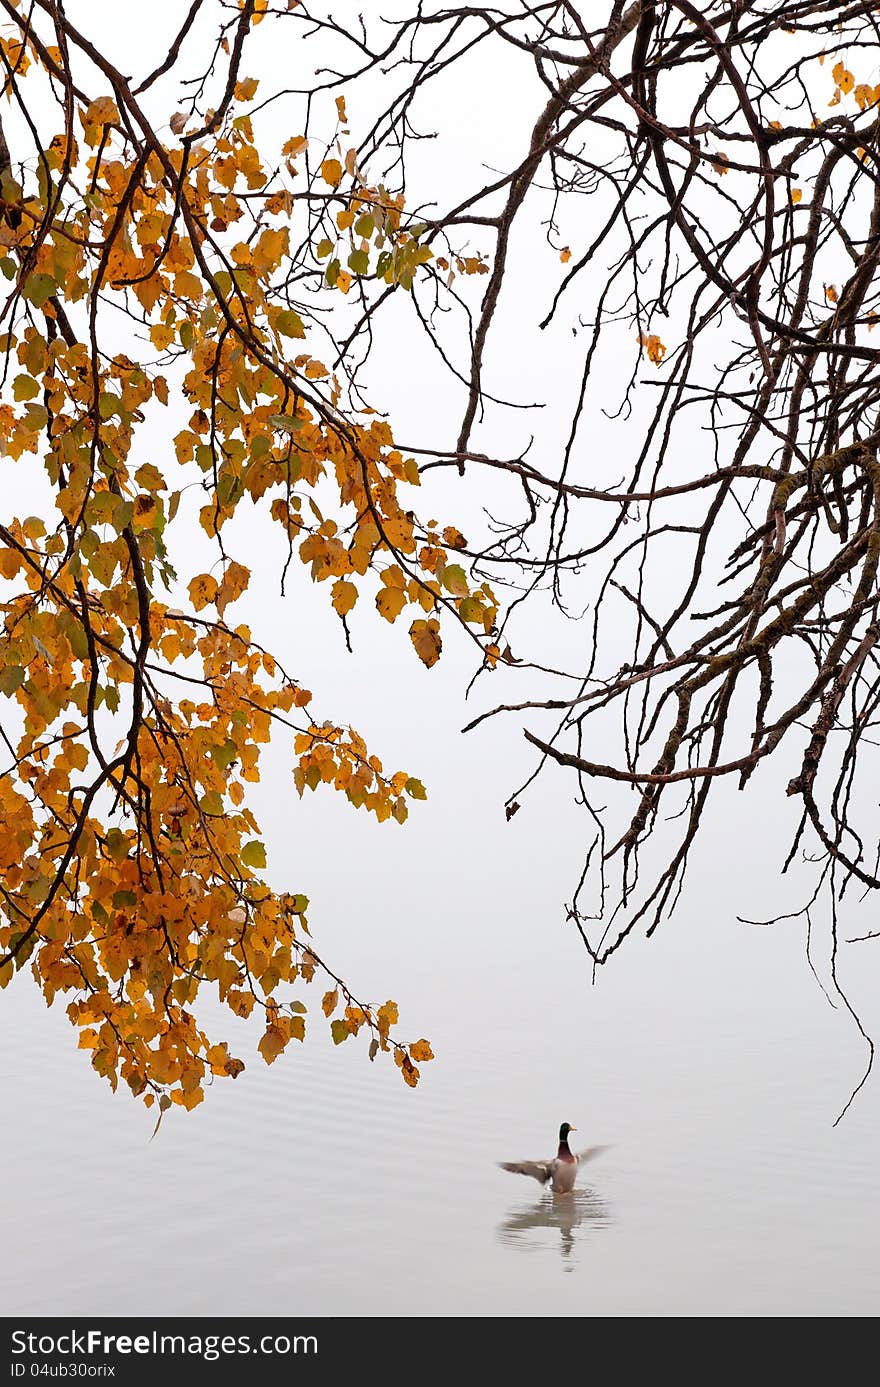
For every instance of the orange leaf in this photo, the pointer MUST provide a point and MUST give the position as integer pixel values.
(331, 172)
(425, 636)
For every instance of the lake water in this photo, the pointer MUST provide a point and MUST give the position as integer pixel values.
(708, 1059)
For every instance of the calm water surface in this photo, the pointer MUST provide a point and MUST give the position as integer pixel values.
(707, 1058)
(323, 1186)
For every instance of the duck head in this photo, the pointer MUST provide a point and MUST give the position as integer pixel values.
(564, 1131)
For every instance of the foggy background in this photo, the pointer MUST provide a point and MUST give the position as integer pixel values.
(708, 1056)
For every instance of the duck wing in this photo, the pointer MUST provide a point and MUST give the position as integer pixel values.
(589, 1152)
(542, 1171)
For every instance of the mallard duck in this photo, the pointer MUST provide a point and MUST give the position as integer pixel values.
(560, 1170)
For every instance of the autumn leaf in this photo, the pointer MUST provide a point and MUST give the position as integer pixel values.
(143, 276)
(387, 1016)
(453, 538)
(653, 347)
(234, 582)
(343, 596)
(331, 172)
(843, 77)
(103, 111)
(425, 636)
(202, 591)
(390, 602)
(272, 1044)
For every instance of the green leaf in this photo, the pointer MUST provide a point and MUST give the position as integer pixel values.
(38, 288)
(299, 1007)
(76, 639)
(116, 844)
(323, 249)
(253, 854)
(290, 323)
(122, 514)
(331, 273)
(359, 261)
(286, 423)
(123, 898)
(470, 610)
(364, 226)
(339, 1032)
(11, 678)
(415, 789)
(24, 388)
(300, 904)
(212, 803)
(454, 579)
(224, 755)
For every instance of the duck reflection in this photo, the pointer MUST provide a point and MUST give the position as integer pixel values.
(580, 1208)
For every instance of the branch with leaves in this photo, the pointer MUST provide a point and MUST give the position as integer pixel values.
(136, 713)
(708, 178)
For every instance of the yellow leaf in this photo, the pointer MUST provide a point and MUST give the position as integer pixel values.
(340, 109)
(331, 172)
(796, 196)
(343, 596)
(421, 1051)
(565, 255)
(202, 590)
(387, 1016)
(102, 112)
(831, 293)
(329, 1002)
(343, 281)
(390, 602)
(233, 584)
(161, 335)
(843, 77)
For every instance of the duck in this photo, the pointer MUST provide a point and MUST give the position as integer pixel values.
(561, 1170)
